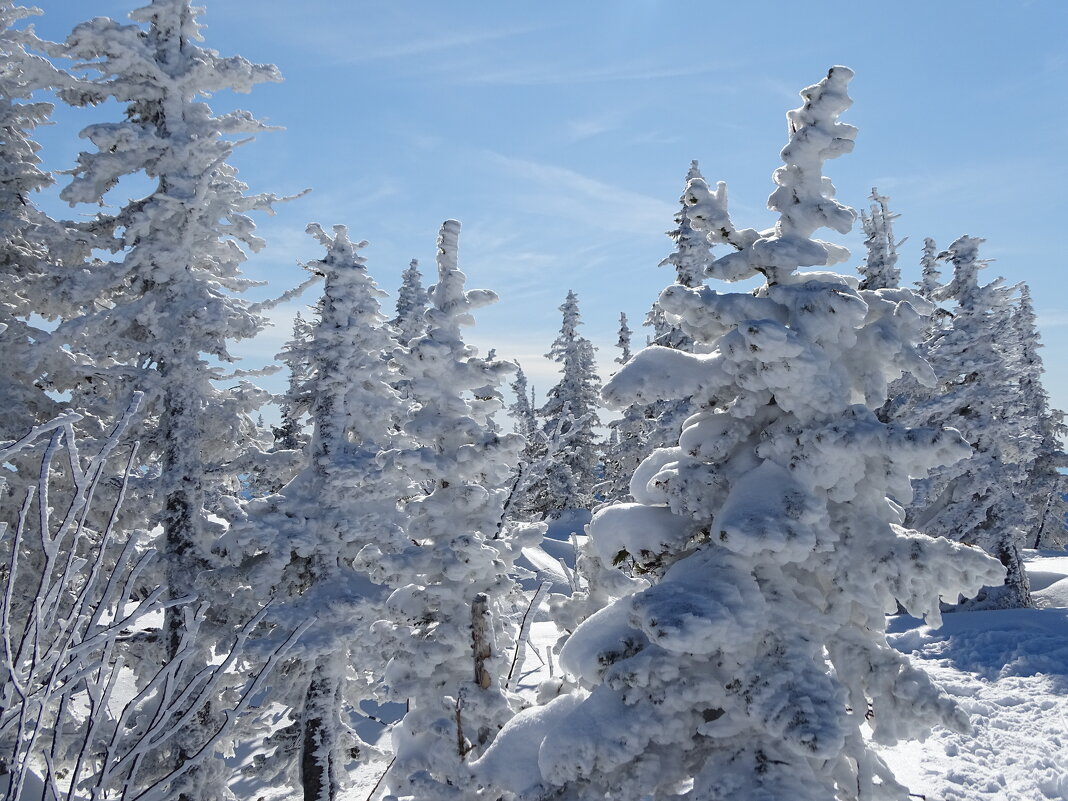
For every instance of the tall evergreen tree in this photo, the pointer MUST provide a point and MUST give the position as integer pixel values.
(529, 483)
(296, 402)
(305, 539)
(623, 343)
(880, 268)
(691, 258)
(755, 663)
(1045, 505)
(36, 252)
(977, 500)
(448, 628)
(412, 303)
(930, 275)
(169, 299)
(628, 435)
(571, 409)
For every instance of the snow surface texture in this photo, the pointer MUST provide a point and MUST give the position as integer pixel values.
(1007, 669)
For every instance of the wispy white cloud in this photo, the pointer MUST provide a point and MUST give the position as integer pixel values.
(432, 44)
(550, 74)
(567, 194)
(1055, 318)
(594, 125)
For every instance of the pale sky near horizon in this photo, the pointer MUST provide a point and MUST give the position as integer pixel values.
(559, 134)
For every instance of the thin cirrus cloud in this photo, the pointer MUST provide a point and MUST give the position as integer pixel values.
(340, 50)
(569, 195)
(552, 74)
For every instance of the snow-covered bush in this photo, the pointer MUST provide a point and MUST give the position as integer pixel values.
(69, 714)
(755, 662)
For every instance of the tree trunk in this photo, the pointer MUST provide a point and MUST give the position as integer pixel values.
(319, 771)
(481, 639)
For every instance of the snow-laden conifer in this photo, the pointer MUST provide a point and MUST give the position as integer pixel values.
(627, 436)
(691, 258)
(755, 664)
(36, 252)
(295, 403)
(168, 301)
(1045, 507)
(304, 540)
(412, 303)
(448, 631)
(528, 489)
(571, 409)
(880, 268)
(930, 275)
(977, 500)
(623, 343)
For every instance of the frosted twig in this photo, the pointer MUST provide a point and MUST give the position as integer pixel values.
(524, 632)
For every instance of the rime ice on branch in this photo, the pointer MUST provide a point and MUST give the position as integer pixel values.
(754, 663)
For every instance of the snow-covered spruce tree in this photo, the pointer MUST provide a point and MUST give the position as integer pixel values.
(295, 402)
(627, 444)
(303, 541)
(930, 276)
(978, 500)
(35, 251)
(623, 343)
(1045, 507)
(754, 663)
(691, 259)
(522, 408)
(449, 624)
(284, 444)
(528, 483)
(168, 301)
(412, 303)
(880, 268)
(906, 390)
(571, 409)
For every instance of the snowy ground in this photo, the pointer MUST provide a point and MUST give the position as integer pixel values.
(1009, 671)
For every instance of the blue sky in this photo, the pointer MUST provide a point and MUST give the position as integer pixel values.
(559, 133)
